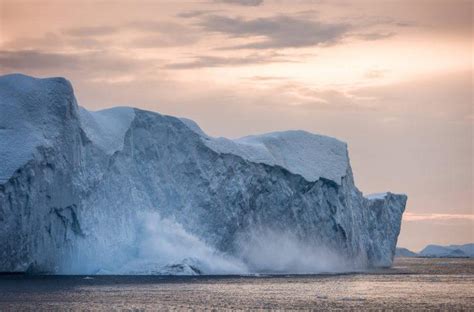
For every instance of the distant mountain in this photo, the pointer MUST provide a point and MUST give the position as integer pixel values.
(404, 252)
(451, 251)
(468, 249)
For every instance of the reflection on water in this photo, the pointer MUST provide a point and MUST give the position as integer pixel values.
(410, 284)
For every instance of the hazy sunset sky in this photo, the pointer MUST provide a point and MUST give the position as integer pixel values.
(393, 79)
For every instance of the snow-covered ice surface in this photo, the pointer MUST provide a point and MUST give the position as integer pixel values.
(23, 122)
(107, 127)
(376, 196)
(309, 155)
(127, 191)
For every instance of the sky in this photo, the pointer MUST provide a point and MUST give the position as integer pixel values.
(393, 79)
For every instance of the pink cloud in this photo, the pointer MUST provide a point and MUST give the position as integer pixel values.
(409, 216)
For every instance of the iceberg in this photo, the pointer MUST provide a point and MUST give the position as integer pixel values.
(128, 191)
(451, 251)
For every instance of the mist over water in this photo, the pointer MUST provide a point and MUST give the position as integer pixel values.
(163, 246)
(266, 250)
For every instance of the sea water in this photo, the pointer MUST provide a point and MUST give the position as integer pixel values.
(412, 283)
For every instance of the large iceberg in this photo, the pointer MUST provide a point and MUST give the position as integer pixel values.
(128, 191)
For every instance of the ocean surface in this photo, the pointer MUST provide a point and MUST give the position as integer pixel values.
(412, 283)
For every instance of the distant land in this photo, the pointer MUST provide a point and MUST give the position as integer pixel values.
(438, 251)
(404, 252)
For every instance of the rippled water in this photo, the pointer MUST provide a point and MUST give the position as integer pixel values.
(410, 284)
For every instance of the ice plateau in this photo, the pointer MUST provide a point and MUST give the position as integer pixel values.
(128, 191)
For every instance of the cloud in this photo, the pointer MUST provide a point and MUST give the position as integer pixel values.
(409, 216)
(373, 36)
(280, 31)
(163, 41)
(37, 60)
(31, 59)
(444, 97)
(91, 31)
(146, 34)
(215, 61)
(267, 78)
(313, 98)
(242, 2)
(155, 34)
(375, 73)
(195, 13)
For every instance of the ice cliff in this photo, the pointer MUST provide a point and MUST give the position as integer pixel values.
(127, 191)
